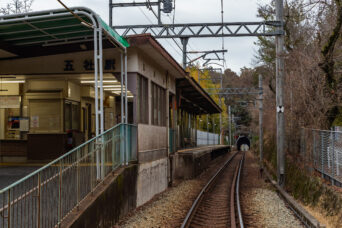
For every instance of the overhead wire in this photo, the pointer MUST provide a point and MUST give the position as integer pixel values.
(166, 40)
(222, 20)
(178, 45)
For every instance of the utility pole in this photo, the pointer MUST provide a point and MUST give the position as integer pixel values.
(279, 95)
(230, 126)
(184, 41)
(261, 133)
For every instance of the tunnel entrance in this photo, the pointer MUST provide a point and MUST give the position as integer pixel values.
(242, 143)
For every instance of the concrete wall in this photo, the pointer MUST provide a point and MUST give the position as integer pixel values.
(153, 162)
(190, 165)
(152, 179)
(116, 198)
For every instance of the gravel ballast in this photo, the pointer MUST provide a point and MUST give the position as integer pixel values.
(261, 205)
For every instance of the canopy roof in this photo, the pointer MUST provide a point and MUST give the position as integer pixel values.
(39, 33)
(193, 98)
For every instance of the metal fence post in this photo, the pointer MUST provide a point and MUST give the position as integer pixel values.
(333, 156)
(337, 165)
(92, 154)
(59, 216)
(102, 149)
(322, 155)
(39, 200)
(122, 144)
(78, 157)
(113, 151)
(314, 148)
(9, 209)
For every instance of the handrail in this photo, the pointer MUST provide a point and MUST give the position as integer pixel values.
(64, 182)
(57, 160)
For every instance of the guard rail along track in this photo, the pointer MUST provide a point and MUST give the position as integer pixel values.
(218, 204)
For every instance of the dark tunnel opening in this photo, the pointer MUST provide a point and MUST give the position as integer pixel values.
(241, 141)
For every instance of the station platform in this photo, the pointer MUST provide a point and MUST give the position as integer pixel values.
(189, 163)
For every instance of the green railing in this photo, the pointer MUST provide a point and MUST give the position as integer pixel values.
(45, 197)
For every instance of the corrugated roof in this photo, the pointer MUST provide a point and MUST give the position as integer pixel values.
(52, 28)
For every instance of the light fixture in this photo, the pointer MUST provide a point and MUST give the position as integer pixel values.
(114, 89)
(111, 86)
(14, 81)
(92, 81)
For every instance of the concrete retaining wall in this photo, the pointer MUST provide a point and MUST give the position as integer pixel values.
(152, 179)
(109, 202)
(190, 164)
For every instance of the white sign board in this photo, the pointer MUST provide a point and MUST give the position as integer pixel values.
(9, 101)
(34, 121)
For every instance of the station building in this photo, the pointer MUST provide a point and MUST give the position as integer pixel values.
(47, 93)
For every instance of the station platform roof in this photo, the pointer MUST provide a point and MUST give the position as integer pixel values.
(62, 31)
(193, 98)
(53, 32)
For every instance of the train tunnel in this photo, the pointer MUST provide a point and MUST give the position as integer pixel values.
(243, 140)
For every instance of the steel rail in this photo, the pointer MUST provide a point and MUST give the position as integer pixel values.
(237, 192)
(232, 199)
(205, 189)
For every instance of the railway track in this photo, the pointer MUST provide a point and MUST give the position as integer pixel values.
(218, 203)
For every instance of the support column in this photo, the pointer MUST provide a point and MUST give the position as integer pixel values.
(261, 133)
(159, 12)
(207, 129)
(279, 96)
(110, 13)
(184, 41)
(122, 84)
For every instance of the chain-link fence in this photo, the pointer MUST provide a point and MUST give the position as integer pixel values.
(207, 138)
(321, 151)
(45, 197)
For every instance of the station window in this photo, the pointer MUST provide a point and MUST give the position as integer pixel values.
(158, 105)
(142, 100)
(71, 116)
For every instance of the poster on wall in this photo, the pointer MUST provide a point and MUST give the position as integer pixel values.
(9, 101)
(34, 121)
(24, 124)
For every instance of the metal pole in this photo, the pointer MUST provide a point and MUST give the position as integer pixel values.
(207, 129)
(279, 95)
(221, 112)
(126, 102)
(122, 99)
(99, 59)
(126, 110)
(159, 13)
(110, 13)
(96, 84)
(184, 41)
(96, 100)
(261, 135)
(230, 125)
(100, 62)
(333, 156)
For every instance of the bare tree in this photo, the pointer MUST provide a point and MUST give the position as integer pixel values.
(16, 6)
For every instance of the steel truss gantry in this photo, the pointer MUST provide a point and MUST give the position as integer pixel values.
(201, 30)
(234, 29)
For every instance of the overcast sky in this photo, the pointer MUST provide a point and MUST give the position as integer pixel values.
(240, 50)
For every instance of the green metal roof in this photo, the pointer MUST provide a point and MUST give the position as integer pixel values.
(54, 27)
